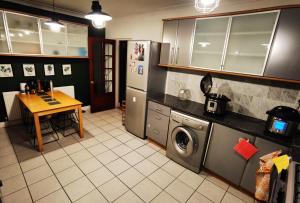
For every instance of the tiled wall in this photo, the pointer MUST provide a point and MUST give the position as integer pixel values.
(246, 98)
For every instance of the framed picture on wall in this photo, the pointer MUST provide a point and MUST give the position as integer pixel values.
(49, 69)
(67, 69)
(6, 71)
(29, 70)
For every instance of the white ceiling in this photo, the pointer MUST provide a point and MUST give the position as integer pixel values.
(116, 8)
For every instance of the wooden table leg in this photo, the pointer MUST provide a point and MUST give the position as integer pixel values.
(38, 132)
(80, 122)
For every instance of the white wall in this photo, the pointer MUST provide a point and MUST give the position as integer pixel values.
(148, 26)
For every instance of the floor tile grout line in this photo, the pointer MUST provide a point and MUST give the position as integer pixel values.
(13, 175)
(54, 174)
(196, 190)
(21, 170)
(115, 176)
(237, 196)
(87, 179)
(175, 178)
(216, 186)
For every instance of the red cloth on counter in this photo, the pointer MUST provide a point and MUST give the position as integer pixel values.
(245, 149)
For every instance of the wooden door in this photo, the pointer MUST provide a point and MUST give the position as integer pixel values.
(102, 73)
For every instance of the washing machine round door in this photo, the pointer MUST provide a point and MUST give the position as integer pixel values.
(183, 141)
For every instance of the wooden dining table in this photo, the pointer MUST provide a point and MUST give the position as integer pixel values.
(37, 105)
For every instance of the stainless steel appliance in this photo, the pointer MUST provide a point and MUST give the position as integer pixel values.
(187, 140)
(285, 187)
(144, 78)
(282, 121)
(214, 103)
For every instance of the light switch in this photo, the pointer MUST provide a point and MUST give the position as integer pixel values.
(134, 99)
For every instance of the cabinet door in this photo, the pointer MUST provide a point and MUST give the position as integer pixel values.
(77, 39)
(282, 62)
(3, 40)
(157, 127)
(54, 43)
(170, 36)
(264, 147)
(209, 42)
(249, 42)
(23, 33)
(221, 157)
(184, 41)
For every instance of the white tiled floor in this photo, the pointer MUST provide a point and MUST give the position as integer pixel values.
(108, 165)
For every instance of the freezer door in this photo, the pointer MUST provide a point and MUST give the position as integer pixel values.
(138, 55)
(135, 112)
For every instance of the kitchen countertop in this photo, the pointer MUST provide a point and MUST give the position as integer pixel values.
(246, 124)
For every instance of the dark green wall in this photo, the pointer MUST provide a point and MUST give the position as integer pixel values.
(79, 77)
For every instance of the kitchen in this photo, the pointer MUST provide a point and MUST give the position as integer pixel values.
(202, 110)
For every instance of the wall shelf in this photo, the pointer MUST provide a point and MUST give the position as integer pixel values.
(218, 72)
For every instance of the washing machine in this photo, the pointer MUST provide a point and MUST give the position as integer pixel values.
(187, 140)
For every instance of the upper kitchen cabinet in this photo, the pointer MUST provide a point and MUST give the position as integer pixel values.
(28, 35)
(3, 39)
(249, 41)
(178, 34)
(283, 60)
(209, 42)
(54, 43)
(23, 33)
(69, 41)
(169, 37)
(77, 36)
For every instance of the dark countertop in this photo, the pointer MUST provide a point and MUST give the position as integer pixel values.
(246, 124)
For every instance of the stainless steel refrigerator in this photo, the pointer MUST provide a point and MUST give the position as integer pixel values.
(144, 78)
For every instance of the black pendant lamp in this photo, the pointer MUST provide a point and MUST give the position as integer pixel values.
(97, 16)
(54, 24)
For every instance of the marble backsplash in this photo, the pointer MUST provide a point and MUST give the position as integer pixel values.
(246, 98)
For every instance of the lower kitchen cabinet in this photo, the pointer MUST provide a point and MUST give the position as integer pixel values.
(157, 123)
(264, 147)
(221, 157)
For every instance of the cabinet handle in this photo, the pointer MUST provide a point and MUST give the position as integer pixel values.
(177, 55)
(157, 109)
(155, 131)
(208, 143)
(157, 118)
(173, 55)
